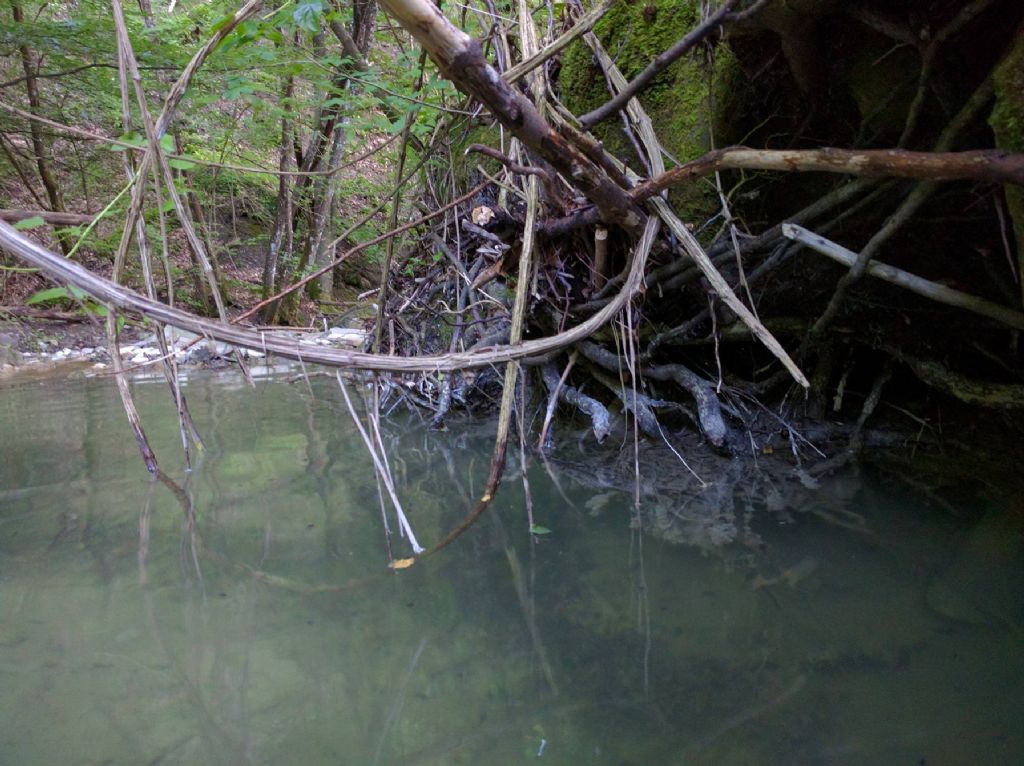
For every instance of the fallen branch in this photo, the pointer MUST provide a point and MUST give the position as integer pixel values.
(105, 291)
(49, 216)
(992, 165)
(905, 279)
(34, 313)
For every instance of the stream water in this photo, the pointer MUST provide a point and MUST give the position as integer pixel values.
(852, 624)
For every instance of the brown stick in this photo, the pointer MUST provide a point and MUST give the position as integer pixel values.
(33, 313)
(513, 167)
(50, 216)
(982, 165)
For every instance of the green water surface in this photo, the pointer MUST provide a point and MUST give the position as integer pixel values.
(857, 626)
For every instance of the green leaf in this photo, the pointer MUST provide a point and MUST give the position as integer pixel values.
(129, 138)
(536, 529)
(221, 22)
(307, 15)
(30, 223)
(167, 143)
(181, 164)
(50, 294)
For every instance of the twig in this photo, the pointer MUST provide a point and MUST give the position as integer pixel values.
(382, 470)
(51, 217)
(513, 167)
(358, 248)
(92, 136)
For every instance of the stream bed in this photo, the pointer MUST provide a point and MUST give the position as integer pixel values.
(248, 616)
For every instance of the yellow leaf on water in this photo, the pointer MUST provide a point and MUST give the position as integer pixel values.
(402, 563)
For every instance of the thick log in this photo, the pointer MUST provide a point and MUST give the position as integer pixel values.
(51, 217)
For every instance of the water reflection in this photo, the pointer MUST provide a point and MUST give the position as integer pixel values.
(244, 613)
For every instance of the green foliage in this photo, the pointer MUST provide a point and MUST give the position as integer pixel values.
(686, 101)
(30, 223)
(72, 297)
(232, 111)
(1008, 124)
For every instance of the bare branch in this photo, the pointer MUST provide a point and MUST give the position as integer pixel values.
(104, 290)
(905, 279)
(991, 165)
(460, 59)
(50, 216)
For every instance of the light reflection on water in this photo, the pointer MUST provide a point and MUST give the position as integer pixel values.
(270, 632)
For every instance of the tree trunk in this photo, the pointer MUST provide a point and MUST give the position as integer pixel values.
(39, 147)
(317, 248)
(281, 238)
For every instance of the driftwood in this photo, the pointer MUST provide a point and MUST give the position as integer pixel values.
(912, 282)
(709, 411)
(599, 417)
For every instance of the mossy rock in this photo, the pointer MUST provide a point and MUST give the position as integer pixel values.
(688, 102)
(1008, 124)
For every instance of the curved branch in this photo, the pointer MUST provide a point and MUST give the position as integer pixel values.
(105, 291)
(513, 167)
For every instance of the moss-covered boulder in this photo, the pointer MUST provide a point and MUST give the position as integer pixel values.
(687, 102)
(1008, 124)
